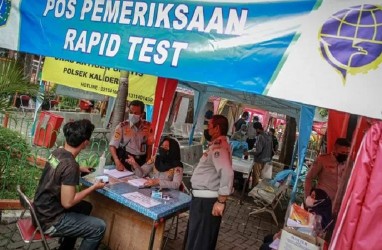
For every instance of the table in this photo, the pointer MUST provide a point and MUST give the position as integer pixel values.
(129, 224)
(245, 167)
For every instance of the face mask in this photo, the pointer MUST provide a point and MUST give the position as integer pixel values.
(207, 135)
(163, 153)
(341, 158)
(134, 119)
(309, 202)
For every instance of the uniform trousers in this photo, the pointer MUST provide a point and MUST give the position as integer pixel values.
(203, 227)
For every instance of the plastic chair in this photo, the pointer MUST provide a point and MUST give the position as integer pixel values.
(28, 232)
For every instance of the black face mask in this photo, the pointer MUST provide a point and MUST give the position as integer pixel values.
(163, 153)
(341, 158)
(207, 135)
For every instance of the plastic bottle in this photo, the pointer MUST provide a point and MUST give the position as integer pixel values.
(101, 164)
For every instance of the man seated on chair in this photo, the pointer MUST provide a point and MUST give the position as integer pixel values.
(59, 207)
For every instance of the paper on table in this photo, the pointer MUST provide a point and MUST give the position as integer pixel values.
(139, 182)
(141, 199)
(118, 174)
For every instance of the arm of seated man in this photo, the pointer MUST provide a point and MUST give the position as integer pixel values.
(69, 196)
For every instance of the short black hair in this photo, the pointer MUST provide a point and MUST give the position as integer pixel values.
(77, 132)
(257, 125)
(139, 104)
(245, 113)
(343, 142)
(222, 122)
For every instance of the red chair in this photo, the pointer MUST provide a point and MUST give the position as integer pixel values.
(28, 232)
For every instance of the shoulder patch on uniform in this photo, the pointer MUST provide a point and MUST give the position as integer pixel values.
(117, 135)
(217, 154)
(217, 142)
(124, 123)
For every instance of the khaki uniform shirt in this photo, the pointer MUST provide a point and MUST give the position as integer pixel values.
(214, 171)
(135, 138)
(328, 173)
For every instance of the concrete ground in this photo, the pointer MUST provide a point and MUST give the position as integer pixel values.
(233, 232)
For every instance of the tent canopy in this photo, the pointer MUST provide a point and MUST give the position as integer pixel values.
(262, 102)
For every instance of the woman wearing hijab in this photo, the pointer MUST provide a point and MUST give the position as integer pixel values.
(318, 202)
(166, 170)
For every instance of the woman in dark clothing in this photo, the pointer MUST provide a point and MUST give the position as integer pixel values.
(318, 202)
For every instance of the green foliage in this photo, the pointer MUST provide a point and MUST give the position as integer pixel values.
(323, 112)
(90, 160)
(68, 103)
(12, 81)
(13, 141)
(19, 173)
(14, 166)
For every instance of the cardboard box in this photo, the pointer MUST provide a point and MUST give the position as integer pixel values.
(294, 240)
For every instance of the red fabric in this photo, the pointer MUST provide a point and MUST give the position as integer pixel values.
(27, 229)
(319, 127)
(362, 127)
(360, 212)
(337, 127)
(164, 95)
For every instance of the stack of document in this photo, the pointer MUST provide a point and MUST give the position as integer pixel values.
(139, 182)
(117, 174)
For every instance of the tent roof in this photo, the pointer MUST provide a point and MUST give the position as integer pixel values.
(263, 102)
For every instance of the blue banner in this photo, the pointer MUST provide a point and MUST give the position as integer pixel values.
(185, 40)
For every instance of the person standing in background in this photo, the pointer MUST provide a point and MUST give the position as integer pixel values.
(242, 120)
(328, 169)
(251, 132)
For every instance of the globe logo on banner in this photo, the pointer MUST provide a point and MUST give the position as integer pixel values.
(5, 8)
(351, 39)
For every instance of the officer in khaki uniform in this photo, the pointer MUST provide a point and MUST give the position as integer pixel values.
(212, 182)
(135, 135)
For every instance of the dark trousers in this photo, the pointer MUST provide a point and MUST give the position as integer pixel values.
(203, 227)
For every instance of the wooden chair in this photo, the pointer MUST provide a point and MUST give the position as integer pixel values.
(28, 232)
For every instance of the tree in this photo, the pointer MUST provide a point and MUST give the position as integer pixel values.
(12, 81)
(120, 101)
(289, 140)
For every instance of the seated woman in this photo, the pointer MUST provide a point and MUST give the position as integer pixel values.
(318, 202)
(166, 170)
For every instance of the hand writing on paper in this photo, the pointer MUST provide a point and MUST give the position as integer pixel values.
(151, 182)
(130, 159)
(119, 166)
